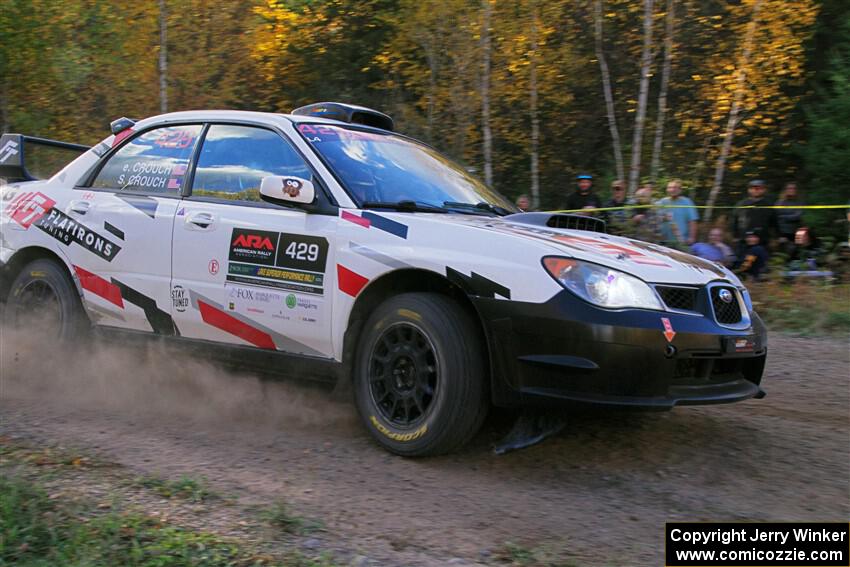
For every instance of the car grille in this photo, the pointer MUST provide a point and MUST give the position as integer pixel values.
(681, 298)
(725, 313)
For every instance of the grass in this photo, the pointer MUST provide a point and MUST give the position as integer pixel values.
(803, 307)
(188, 488)
(39, 531)
(46, 522)
(281, 517)
(518, 555)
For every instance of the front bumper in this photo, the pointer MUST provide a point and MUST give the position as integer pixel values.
(566, 350)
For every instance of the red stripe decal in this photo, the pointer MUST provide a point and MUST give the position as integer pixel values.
(345, 215)
(120, 136)
(100, 287)
(350, 282)
(229, 324)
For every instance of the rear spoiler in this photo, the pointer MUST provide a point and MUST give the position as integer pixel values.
(12, 155)
(559, 220)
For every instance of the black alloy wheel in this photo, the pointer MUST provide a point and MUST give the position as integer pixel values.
(403, 374)
(420, 374)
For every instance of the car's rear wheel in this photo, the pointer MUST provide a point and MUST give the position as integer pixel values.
(44, 303)
(419, 375)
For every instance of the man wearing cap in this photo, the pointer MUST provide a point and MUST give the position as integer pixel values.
(618, 217)
(758, 220)
(583, 197)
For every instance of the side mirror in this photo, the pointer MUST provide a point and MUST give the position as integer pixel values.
(287, 189)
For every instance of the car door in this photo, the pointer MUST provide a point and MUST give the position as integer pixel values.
(247, 272)
(118, 229)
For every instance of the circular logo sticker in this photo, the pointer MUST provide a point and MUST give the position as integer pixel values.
(213, 266)
(290, 301)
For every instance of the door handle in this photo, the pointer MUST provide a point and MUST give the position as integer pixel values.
(79, 207)
(201, 220)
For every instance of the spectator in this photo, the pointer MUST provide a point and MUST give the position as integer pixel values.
(616, 219)
(680, 220)
(753, 258)
(583, 197)
(715, 249)
(759, 220)
(789, 220)
(523, 203)
(808, 253)
(645, 220)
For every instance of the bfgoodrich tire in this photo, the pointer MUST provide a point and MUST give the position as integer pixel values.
(419, 375)
(43, 301)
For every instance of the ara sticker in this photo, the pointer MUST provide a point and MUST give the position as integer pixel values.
(669, 333)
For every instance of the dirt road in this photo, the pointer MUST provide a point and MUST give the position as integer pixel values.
(596, 494)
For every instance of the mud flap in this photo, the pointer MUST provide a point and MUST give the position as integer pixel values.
(529, 429)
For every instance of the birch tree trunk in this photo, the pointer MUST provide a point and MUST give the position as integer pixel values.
(163, 58)
(606, 88)
(431, 56)
(734, 110)
(669, 30)
(643, 95)
(486, 132)
(535, 120)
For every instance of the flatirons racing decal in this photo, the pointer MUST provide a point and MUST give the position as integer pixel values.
(67, 230)
(277, 260)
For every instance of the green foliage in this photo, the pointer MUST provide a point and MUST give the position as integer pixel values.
(827, 153)
(195, 490)
(67, 67)
(281, 517)
(38, 531)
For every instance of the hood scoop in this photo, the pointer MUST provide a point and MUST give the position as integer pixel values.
(559, 220)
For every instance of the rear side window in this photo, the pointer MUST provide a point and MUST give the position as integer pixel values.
(234, 160)
(155, 162)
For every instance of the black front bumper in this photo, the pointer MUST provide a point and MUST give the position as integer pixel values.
(566, 350)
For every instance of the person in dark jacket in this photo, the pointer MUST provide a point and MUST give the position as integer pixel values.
(752, 261)
(789, 220)
(761, 221)
(583, 197)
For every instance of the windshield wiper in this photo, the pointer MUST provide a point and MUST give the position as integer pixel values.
(482, 206)
(403, 206)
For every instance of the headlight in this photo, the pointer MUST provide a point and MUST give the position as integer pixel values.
(748, 301)
(600, 285)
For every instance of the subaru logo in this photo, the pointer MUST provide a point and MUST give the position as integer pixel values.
(725, 296)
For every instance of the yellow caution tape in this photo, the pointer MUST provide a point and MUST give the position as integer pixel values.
(628, 207)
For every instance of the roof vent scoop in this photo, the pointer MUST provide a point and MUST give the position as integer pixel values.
(350, 113)
(120, 124)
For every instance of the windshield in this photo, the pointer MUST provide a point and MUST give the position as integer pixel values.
(385, 168)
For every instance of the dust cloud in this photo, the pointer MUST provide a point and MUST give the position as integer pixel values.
(155, 379)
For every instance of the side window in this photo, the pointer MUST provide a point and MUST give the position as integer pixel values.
(155, 162)
(234, 160)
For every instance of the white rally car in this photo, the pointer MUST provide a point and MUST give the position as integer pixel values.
(324, 243)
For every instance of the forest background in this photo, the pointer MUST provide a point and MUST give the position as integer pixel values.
(526, 93)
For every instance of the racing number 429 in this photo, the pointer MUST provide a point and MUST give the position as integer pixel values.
(302, 251)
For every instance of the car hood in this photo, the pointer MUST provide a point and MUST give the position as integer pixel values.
(650, 262)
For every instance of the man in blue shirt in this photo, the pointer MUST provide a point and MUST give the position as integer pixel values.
(679, 225)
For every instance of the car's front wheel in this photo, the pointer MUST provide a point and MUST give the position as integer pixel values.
(419, 375)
